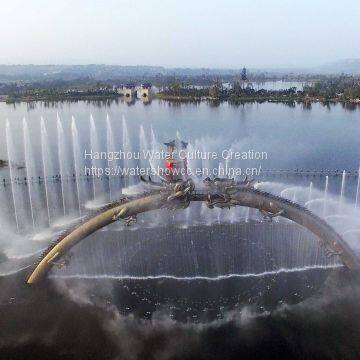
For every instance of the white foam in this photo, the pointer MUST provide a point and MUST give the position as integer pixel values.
(194, 278)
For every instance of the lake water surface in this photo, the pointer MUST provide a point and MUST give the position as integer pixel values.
(294, 136)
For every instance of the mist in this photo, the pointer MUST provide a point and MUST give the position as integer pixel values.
(88, 324)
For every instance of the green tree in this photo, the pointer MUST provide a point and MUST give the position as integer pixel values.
(243, 74)
(236, 88)
(214, 91)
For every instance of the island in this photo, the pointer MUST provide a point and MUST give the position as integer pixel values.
(235, 87)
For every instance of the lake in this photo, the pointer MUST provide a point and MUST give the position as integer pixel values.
(50, 140)
(176, 261)
(294, 136)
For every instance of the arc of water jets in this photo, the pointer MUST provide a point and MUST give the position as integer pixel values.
(47, 167)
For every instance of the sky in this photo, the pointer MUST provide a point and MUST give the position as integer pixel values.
(180, 33)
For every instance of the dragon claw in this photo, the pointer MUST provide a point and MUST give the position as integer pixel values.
(130, 220)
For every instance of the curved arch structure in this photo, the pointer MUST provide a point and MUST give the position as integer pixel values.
(222, 193)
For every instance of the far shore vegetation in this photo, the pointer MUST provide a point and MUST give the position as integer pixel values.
(234, 89)
(325, 89)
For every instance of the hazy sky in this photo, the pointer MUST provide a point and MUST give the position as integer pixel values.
(194, 33)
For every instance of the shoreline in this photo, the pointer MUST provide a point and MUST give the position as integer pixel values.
(184, 99)
(29, 99)
(277, 99)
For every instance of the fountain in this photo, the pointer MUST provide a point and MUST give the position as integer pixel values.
(98, 184)
(154, 163)
(51, 195)
(30, 169)
(78, 163)
(62, 159)
(74, 188)
(110, 146)
(67, 190)
(357, 190)
(127, 148)
(10, 154)
(288, 191)
(143, 147)
(342, 191)
(65, 167)
(310, 190)
(326, 190)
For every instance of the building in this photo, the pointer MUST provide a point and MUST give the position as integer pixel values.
(129, 91)
(145, 91)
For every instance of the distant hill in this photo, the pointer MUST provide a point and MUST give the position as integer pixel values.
(70, 72)
(9, 73)
(347, 66)
(98, 72)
